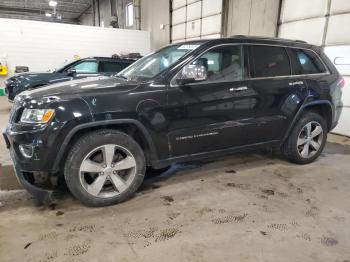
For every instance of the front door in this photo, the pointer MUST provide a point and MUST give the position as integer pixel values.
(86, 68)
(209, 115)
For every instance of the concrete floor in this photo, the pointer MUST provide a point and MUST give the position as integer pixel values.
(246, 207)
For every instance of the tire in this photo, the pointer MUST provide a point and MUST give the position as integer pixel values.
(299, 154)
(104, 167)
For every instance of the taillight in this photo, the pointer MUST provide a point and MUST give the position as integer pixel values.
(341, 82)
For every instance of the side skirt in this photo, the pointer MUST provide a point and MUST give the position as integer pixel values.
(212, 154)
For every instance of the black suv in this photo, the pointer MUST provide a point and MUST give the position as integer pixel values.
(187, 101)
(87, 67)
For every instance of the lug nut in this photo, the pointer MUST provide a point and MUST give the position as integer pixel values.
(114, 172)
(104, 166)
(112, 165)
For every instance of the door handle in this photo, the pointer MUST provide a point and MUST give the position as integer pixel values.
(296, 83)
(237, 89)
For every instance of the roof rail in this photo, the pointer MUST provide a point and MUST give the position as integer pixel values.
(267, 38)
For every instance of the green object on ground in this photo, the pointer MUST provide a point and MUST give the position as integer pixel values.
(2, 92)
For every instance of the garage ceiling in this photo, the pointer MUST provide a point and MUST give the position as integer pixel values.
(70, 10)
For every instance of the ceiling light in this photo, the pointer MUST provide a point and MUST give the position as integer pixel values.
(52, 3)
(48, 14)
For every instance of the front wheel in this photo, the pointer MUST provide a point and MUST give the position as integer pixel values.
(104, 167)
(307, 139)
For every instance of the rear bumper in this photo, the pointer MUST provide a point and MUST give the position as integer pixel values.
(337, 112)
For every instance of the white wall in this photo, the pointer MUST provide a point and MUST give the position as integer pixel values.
(196, 19)
(42, 45)
(325, 23)
(151, 19)
(252, 17)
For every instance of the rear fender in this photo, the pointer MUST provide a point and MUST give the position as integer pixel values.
(305, 107)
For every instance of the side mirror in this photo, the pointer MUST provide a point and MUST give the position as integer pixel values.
(71, 72)
(192, 73)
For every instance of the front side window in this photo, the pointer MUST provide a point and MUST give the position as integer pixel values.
(268, 61)
(307, 62)
(223, 63)
(86, 67)
(111, 67)
(151, 65)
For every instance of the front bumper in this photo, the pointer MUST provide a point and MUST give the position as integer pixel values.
(45, 196)
(40, 159)
(42, 138)
(24, 167)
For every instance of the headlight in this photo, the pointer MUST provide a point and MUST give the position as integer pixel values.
(37, 116)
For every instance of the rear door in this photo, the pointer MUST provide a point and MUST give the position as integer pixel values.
(309, 68)
(278, 93)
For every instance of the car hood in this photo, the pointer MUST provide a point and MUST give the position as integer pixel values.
(33, 75)
(82, 87)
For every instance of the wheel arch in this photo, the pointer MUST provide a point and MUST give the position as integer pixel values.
(322, 107)
(129, 126)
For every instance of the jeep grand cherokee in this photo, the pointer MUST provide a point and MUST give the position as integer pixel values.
(187, 101)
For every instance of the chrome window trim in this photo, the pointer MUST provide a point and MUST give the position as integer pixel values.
(257, 78)
(290, 76)
(293, 47)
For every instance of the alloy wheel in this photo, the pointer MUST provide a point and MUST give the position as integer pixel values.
(107, 171)
(310, 139)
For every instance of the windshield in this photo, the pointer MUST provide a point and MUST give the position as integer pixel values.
(153, 64)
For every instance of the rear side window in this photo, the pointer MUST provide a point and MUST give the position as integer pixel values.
(268, 61)
(306, 62)
(111, 67)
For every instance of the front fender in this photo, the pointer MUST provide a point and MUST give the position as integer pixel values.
(104, 124)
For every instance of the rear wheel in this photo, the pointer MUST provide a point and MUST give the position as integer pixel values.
(307, 139)
(104, 167)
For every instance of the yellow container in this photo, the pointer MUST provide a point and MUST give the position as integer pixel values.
(3, 70)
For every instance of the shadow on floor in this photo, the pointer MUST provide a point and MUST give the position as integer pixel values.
(336, 148)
